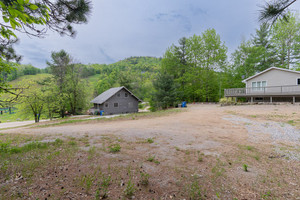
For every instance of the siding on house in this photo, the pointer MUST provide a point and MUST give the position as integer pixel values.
(275, 77)
(127, 104)
(116, 101)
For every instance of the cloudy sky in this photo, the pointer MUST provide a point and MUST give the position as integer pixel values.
(118, 29)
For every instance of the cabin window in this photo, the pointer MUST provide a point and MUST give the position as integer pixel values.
(118, 95)
(116, 105)
(126, 94)
(106, 105)
(298, 81)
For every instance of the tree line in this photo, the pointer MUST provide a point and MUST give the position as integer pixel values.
(198, 69)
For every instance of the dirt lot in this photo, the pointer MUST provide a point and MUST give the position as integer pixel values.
(205, 152)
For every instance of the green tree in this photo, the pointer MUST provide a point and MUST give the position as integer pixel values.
(75, 89)
(264, 47)
(195, 64)
(32, 101)
(285, 38)
(34, 19)
(165, 94)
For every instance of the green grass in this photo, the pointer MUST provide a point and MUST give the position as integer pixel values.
(132, 116)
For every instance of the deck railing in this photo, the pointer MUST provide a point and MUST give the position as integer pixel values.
(272, 90)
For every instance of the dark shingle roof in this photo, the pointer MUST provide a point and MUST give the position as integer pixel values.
(109, 93)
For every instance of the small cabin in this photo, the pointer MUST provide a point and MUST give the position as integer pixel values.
(117, 100)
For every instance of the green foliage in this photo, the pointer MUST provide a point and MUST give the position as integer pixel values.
(114, 148)
(152, 159)
(245, 167)
(165, 94)
(144, 178)
(195, 191)
(197, 65)
(130, 189)
(227, 101)
(68, 87)
(285, 37)
(150, 140)
(34, 19)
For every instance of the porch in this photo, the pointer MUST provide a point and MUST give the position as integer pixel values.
(288, 91)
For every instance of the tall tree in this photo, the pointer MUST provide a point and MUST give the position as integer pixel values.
(75, 89)
(165, 94)
(264, 47)
(285, 38)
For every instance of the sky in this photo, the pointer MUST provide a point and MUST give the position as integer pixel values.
(118, 29)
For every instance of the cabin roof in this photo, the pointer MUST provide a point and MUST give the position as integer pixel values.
(103, 97)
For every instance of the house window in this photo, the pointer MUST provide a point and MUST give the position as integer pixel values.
(119, 94)
(106, 105)
(259, 85)
(298, 81)
(126, 94)
(116, 105)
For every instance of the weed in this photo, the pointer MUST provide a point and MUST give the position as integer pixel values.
(72, 143)
(91, 152)
(58, 142)
(245, 167)
(249, 148)
(130, 189)
(267, 195)
(152, 159)
(256, 157)
(104, 186)
(195, 191)
(177, 148)
(144, 179)
(200, 157)
(114, 148)
(150, 140)
(86, 181)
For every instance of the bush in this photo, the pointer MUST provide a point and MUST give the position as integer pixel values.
(227, 101)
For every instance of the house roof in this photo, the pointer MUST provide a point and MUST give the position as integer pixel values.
(286, 70)
(103, 97)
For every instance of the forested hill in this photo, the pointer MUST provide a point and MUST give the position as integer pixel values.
(136, 73)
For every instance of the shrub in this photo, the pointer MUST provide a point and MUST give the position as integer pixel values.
(227, 101)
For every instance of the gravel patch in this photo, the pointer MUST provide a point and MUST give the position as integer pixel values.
(277, 132)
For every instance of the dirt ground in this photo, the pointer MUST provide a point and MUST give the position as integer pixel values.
(206, 152)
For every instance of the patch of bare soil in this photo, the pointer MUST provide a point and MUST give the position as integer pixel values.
(198, 154)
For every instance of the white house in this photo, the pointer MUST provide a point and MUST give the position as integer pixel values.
(272, 84)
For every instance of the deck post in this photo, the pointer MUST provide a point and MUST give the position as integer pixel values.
(271, 100)
(251, 99)
(294, 100)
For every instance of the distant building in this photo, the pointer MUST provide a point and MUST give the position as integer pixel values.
(271, 85)
(116, 101)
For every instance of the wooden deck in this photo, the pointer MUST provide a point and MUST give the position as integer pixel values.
(275, 91)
